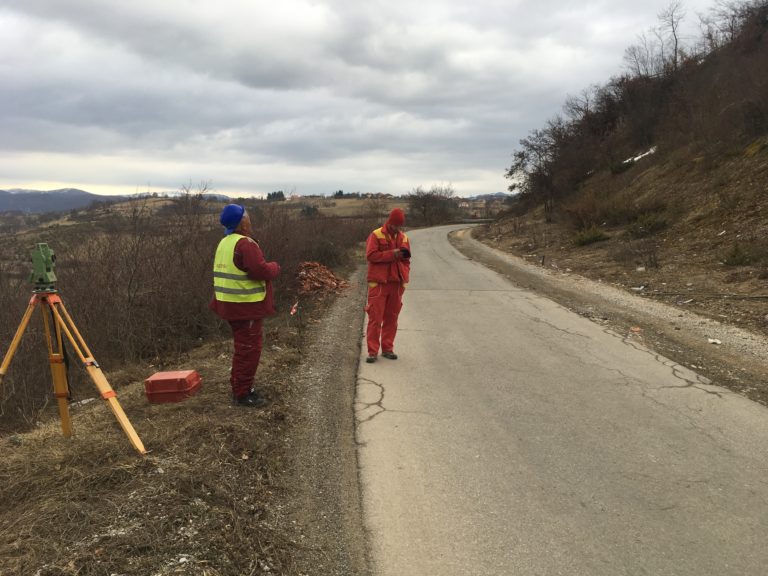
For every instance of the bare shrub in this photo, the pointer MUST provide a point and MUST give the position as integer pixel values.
(646, 252)
(739, 255)
(647, 224)
(728, 198)
(584, 211)
(518, 225)
(137, 284)
(590, 236)
(436, 206)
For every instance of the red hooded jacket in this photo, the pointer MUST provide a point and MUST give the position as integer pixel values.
(379, 251)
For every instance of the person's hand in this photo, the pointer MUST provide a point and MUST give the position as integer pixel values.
(398, 254)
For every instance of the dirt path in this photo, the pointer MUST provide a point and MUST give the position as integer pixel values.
(737, 362)
(323, 507)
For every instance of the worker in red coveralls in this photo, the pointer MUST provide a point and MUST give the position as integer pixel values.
(389, 263)
(243, 297)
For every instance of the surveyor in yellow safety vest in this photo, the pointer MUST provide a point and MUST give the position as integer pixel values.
(242, 295)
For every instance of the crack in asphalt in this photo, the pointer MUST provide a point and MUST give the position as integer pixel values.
(366, 405)
(378, 404)
(622, 310)
(674, 366)
(538, 320)
(676, 372)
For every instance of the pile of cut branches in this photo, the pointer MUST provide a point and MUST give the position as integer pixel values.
(314, 278)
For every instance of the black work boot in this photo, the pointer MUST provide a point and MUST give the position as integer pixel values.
(371, 359)
(391, 355)
(252, 400)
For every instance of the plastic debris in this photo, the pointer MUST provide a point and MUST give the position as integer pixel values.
(714, 341)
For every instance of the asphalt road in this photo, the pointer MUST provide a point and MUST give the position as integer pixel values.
(513, 437)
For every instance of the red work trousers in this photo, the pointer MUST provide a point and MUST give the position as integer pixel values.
(384, 304)
(245, 360)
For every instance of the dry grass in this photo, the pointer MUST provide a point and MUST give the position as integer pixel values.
(684, 227)
(354, 207)
(204, 501)
(199, 503)
(137, 285)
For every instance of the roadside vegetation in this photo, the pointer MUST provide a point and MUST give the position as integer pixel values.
(677, 101)
(210, 497)
(655, 180)
(136, 279)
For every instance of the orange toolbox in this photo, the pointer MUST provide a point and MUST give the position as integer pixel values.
(174, 386)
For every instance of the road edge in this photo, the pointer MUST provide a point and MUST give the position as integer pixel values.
(324, 498)
(720, 366)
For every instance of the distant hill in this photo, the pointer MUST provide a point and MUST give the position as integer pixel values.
(492, 197)
(39, 201)
(178, 194)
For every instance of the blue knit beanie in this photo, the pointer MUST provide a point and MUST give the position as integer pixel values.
(230, 217)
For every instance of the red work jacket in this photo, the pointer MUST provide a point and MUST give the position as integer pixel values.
(250, 259)
(379, 251)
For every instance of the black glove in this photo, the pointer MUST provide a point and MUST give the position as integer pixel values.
(405, 252)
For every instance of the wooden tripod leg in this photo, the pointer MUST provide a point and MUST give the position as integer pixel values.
(61, 391)
(110, 396)
(95, 372)
(58, 371)
(17, 338)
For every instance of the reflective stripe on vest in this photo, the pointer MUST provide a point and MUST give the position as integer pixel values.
(230, 284)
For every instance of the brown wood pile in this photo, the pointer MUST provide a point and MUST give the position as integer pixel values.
(314, 278)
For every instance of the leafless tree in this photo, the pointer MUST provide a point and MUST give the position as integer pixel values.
(724, 21)
(580, 106)
(434, 206)
(644, 59)
(669, 31)
(375, 207)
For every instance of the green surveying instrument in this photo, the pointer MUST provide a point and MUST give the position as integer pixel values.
(42, 275)
(57, 324)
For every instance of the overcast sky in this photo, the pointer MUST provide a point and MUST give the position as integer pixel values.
(296, 95)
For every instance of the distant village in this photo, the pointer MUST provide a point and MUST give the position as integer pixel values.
(477, 207)
(20, 208)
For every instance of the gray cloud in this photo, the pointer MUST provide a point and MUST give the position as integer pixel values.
(311, 95)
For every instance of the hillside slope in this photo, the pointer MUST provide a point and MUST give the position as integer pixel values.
(701, 240)
(658, 182)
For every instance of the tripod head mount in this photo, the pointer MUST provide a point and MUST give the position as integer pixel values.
(43, 264)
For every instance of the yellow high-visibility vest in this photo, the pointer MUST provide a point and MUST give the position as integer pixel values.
(230, 284)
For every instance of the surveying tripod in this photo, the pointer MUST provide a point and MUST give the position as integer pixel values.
(46, 297)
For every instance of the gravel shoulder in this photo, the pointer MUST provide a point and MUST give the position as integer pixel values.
(737, 362)
(323, 508)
